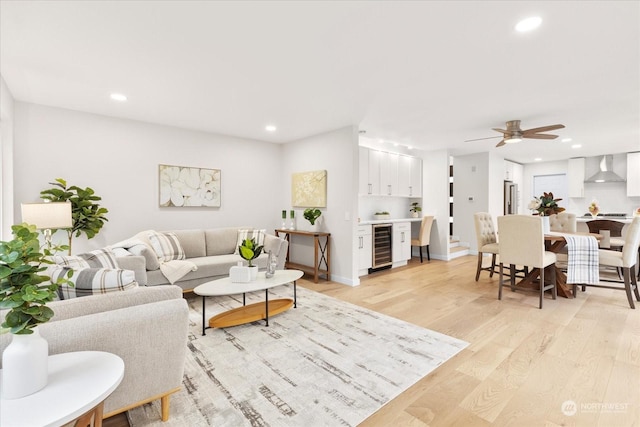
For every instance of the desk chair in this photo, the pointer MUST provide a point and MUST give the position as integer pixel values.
(424, 236)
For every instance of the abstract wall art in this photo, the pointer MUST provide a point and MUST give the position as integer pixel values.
(309, 189)
(182, 186)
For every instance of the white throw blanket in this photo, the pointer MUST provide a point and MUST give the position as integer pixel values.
(582, 262)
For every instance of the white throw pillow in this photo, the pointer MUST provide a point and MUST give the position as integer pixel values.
(249, 234)
(100, 258)
(166, 246)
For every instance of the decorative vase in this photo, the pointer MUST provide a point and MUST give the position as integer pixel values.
(253, 272)
(414, 214)
(24, 365)
(546, 225)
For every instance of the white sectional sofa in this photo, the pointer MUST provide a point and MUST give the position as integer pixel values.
(210, 250)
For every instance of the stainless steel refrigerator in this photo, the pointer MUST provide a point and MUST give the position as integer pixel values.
(510, 198)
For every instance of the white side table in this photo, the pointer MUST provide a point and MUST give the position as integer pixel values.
(77, 386)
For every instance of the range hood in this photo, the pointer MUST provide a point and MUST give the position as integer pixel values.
(606, 172)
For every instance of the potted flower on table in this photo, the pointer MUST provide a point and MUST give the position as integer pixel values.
(250, 250)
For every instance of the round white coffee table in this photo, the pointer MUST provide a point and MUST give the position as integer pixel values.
(77, 386)
(252, 312)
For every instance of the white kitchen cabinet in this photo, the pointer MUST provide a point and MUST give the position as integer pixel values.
(508, 170)
(575, 176)
(404, 176)
(633, 174)
(369, 171)
(401, 242)
(415, 190)
(389, 174)
(364, 248)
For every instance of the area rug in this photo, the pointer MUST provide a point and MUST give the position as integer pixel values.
(324, 363)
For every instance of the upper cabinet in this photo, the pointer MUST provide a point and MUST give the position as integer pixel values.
(633, 174)
(575, 175)
(389, 174)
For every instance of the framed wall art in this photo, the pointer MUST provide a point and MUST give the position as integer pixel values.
(184, 186)
(309, 189)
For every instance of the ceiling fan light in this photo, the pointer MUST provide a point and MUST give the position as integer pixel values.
(512, 140)
(528, 24)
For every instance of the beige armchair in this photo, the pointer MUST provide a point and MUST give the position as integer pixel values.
(627, 261)
(487, 241)
(522, 243)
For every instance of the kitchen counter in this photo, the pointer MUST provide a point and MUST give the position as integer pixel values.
(389, 221)
(624, 219)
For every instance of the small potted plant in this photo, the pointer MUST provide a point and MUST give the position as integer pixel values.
(250, 250)
(415, 210)
(24, 292)
(313, 216)
(382, 215)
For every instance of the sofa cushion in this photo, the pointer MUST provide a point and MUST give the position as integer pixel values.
(100, 258)
(244, 234)
(221, 241)
(90, 281)
(166, 246)
(150, 258)
(192, 242)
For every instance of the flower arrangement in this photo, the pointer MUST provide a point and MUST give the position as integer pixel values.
(594, 208)
(545, 205)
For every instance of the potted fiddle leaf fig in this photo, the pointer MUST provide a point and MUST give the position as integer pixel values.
(88, 216)
(25, 292)
(415, 210)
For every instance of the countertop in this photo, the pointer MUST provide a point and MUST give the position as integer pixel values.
(625, 219)
(389, 221)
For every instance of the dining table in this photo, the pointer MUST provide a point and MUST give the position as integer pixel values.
(554, 242)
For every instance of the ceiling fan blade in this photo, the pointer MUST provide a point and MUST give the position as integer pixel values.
(480, 139)
(543, 129)
(500, 130)
(539, 136)
(501, 143)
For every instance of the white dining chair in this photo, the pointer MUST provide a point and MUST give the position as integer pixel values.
(425, 236)
(626, 260)
(487, 242)
(522, 243)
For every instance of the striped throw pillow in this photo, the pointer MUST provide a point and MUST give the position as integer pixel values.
(100, 258)
(92, 281)
(166, 246)
(249, 234)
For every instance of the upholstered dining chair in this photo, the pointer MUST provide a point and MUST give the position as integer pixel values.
(563, 222)
(424, 236)
(627, 261)
(487, 241)
(522, 243)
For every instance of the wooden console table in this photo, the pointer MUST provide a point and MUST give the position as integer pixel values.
(322, 253)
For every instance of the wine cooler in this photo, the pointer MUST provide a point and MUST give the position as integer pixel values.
(381, 246)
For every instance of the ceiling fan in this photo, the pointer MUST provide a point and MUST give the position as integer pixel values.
(513, 133)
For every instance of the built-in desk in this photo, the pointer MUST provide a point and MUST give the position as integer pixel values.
(322, 252)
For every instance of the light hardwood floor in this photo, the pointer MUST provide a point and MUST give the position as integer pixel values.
(522, 363)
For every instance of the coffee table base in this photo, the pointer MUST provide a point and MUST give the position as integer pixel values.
(250, 313)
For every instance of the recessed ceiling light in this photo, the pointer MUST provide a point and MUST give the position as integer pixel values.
(381, 141)
(576, 146)
(537, 159)
(528, 24)
(566, 140)
(409, 147)
(118, 97)
(270, 128)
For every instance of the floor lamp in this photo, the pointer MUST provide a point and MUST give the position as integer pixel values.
(47, 217)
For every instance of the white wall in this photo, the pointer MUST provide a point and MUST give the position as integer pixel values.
(119, 159)
(435, 201)
(337, 153)
(6, 160)
(471, 179)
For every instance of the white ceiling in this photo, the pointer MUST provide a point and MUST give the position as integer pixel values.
(428, 74)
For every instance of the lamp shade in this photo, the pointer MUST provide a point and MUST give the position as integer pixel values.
(47, 215)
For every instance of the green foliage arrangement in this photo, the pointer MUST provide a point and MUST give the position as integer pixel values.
(22, 291)
(415, 207)
(88, 216)
(312, 214)
(546, 205)
(249, 250)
